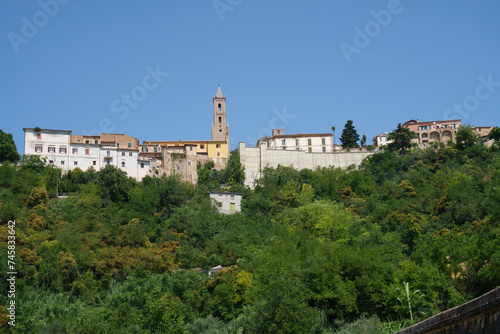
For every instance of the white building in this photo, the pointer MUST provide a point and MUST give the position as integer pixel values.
(229, 202)
(67, 151)
(381, 140)
(306, 142)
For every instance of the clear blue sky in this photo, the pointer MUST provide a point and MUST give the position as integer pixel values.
(270, 57)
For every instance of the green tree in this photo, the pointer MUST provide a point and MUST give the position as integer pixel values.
(466, 137)
(8, 150)
(235, 171)
(363, 141)
(349, 137)
(113, 182)
(495, 135)
(401, 139)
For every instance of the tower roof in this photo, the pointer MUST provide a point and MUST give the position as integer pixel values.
(219, 93)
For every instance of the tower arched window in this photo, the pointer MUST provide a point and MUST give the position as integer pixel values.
(220, 120)
(219, 106)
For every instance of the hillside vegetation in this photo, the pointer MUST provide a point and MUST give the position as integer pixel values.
(374, 248)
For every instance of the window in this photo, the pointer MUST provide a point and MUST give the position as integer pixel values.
(142, 164)
(94, 163)
(220, 120)
(190, 148)
(309, 142)
(219, 106)
(217, 145)
(86, 142)
(52, 150)
(123, 154)
(123, 163)
(424, 135)
(189, 163)
(309, 149)
(283, 142)
(144, 149)
(51, 161)
(129, 145)
(218, 154)
(202, 147)
(108, 154)
(75, 163)
(75, 151)
(233, 206)
(323, 141)
(87, 151)
(296, 142)
(96, 142)
(117, 144)
(129, 154)
(62, 162)
(423, 127)
(324, 149)
(38, 135)
(178, 167)
(62, 149)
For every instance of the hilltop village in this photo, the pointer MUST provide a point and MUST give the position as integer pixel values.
(67, 151)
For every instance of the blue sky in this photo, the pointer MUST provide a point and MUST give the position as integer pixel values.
(299, 65)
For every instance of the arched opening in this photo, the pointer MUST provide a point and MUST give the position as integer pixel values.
(446, 136)
(219, 106)
(220, 120)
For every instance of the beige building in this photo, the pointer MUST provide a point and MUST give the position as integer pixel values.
(182, 156)
(306, 142)
(433, 131)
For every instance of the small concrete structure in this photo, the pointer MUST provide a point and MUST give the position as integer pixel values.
(229, 202)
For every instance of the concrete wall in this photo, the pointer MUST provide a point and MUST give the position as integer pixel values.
(479, 316)
(255, 159)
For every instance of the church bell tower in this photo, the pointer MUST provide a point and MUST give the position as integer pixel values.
(220, 129)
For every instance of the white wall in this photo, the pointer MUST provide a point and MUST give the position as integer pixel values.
(255, 159)
(225, 199)
(49, 139)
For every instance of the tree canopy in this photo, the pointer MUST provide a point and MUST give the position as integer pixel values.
(378, 247)
(8, 150)
(349, 137)
(401, 139)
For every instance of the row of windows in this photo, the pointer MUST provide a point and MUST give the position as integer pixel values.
(52, 149)
(94, 163)
(96, 141)
(309, 142)
(425, 127)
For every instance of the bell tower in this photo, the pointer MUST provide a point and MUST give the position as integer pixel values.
(220, 129)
